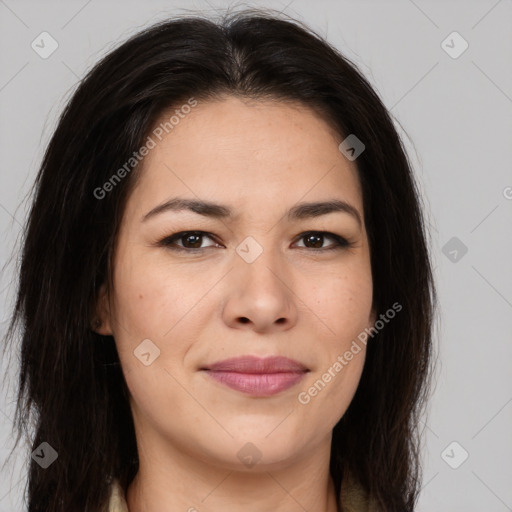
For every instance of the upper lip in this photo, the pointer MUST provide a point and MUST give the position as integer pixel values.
(257, 365)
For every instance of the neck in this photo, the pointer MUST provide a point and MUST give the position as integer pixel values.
(169, 479)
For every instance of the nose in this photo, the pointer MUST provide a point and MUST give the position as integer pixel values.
(260, 296)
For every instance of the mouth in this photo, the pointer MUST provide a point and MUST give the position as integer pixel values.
(257, 376)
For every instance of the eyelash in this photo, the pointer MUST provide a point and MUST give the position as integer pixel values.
(168, 242)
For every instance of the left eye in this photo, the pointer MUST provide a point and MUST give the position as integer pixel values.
(317, 238)
(192, 241)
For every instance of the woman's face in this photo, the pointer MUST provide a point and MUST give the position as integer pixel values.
(253, 284)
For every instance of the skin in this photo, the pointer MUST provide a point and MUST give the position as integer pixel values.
(260, 158)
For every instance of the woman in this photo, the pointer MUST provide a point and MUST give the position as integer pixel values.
(225, 296)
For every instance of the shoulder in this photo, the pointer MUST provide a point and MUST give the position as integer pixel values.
(353, 496)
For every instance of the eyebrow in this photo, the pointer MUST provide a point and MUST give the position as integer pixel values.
(218, 211)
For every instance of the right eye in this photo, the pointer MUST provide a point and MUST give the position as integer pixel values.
(191, 241)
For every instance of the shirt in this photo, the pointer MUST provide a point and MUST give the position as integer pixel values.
(352, 496)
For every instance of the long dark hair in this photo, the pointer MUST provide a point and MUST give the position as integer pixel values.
(70, 380)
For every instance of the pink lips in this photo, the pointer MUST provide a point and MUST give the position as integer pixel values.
(257, 376)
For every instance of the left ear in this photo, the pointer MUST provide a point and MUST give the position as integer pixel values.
(101, 324)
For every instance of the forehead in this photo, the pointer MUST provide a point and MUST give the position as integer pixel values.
(247, 153)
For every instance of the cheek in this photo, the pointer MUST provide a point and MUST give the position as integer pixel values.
(155, 302)
(344, 386)
(342, 300)
(155, 397)
(147, 299)
(330, 391)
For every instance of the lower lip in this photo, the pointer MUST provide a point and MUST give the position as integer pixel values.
(265, 384)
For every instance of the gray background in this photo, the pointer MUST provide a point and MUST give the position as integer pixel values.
(455, 116)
